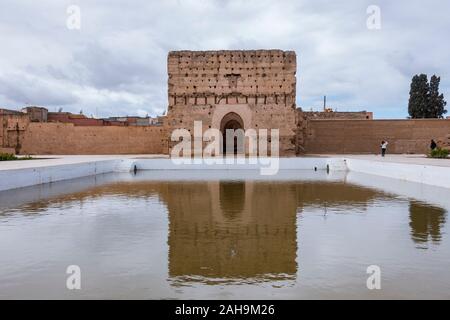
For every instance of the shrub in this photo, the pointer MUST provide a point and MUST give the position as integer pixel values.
(7, 156)
(439, 153)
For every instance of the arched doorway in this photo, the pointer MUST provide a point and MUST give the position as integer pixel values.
(234, 122)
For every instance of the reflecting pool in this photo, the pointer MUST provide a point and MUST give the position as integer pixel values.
(225, 235)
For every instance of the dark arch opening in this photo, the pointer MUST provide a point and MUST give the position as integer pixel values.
(231, 121)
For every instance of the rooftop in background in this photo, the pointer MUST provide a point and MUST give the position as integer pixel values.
(336, 115)
(41, 114)
(9, 112)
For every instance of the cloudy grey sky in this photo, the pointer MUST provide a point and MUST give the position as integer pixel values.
(116, 63)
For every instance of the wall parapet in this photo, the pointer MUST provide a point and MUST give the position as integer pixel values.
(364, 136)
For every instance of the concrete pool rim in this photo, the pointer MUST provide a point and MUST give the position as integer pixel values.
(19, 174)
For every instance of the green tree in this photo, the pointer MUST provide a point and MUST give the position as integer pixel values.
(425, 101)
(436, 102)
(418, 97)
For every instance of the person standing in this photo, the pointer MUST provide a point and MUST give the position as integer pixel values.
(384, 145)
(433, 145)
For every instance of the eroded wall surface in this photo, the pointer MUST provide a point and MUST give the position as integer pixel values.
(361, 136)
(65, 138)
(12, 129)
(24, 137)
(257, 85)
(19, 135)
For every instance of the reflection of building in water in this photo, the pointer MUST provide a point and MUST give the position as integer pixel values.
(426, 222)
(222, 230)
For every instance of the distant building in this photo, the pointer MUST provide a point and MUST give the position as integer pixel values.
(36, 114)
(135, 121)
(76, 119)
(7, 112)
(343, 115)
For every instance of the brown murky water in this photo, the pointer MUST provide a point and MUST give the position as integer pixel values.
(146, 237)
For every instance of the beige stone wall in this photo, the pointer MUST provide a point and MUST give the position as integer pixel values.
(18, 135)
(365, 136)
(257, 85)
(304, 118)
(12, 129)
(65, 138)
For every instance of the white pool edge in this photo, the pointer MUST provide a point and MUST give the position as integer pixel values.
(426, 174)
(25, 177)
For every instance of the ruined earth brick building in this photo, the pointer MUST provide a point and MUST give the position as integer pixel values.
(234, 89)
